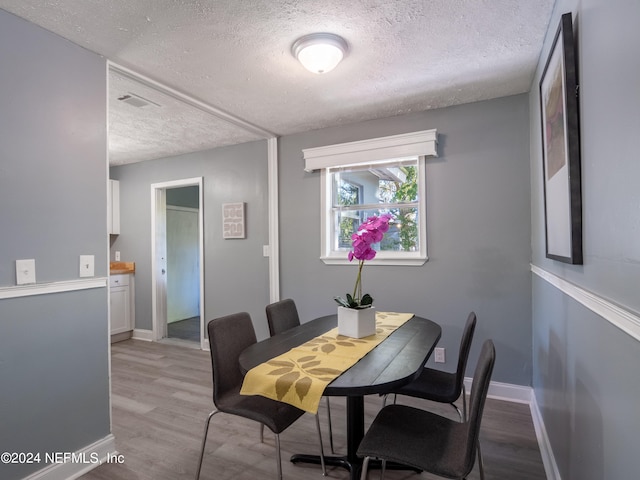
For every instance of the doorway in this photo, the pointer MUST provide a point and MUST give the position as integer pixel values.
(177, 252)
(183, 292)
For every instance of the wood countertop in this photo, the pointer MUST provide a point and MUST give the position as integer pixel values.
(116, 268)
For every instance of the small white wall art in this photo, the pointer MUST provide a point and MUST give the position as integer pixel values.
(233, 220)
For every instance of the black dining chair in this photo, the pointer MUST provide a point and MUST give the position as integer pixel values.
(282, 316)
(444, 387)
(429, 442)
(228, 337)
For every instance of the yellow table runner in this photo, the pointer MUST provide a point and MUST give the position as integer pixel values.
(300, 376)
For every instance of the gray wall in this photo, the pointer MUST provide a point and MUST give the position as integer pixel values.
(478, 231)
(236, 273)
(53, 348)
(585, 369)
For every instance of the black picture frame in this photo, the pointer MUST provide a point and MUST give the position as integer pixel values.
(561, 148)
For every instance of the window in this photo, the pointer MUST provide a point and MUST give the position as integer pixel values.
(357, 183)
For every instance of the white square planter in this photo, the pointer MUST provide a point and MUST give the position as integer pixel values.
(356, 322)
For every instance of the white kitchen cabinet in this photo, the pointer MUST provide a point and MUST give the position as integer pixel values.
(113, 207)
(122, 303)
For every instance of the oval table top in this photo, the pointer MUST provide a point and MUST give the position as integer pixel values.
(394, 362)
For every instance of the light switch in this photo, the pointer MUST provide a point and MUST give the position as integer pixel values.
(86, 265)
(25, 271)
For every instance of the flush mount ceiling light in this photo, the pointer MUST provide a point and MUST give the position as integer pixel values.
(320, 52)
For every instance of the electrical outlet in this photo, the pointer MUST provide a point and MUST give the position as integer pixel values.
(86, 265)
(25, 271)
(439, 356)
(117, 255)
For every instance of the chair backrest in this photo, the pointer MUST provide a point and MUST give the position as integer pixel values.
(465, 347)
(228, 337)
(282, 316)
(479, 389)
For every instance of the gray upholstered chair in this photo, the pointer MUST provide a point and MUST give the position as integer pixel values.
(445, 387)
(426, 441)
(282, 316)
(228, 337)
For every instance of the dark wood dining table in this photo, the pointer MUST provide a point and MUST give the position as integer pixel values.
(396, 361)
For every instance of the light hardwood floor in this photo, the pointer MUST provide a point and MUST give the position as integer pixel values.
(162, 395)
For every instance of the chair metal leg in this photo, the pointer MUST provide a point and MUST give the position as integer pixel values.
(385, 396)
(204, 441)
(278, 457)
(464, 403)
(480, 462)
(365, 467)
(459, 412)
(330, 428)
(324, 469)
(383, 469)
(462, 414)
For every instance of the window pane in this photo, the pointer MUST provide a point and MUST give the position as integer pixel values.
(348, 222)
(405, 235)
(374, 184)
(347, 193)
(377, 188)
(402, 189)
(402, 235)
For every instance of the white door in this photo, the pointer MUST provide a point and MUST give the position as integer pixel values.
(160, 264)
(183, 279)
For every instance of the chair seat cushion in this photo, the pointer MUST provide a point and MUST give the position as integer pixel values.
(430, 442)
(277, 416)
(434, 385)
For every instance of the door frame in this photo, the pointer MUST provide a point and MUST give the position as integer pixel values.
(158, 230)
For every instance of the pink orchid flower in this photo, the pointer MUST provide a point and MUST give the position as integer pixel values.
(369, 232)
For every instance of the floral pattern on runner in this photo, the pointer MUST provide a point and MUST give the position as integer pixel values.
(299, 376)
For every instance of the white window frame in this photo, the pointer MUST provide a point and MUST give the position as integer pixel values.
(417, 145)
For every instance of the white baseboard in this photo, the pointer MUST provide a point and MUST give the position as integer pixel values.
(89, 458)
(147, 336)
(140, 334)
(548, 459)
(505, 391)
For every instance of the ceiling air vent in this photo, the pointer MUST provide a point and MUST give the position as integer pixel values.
(136, 100)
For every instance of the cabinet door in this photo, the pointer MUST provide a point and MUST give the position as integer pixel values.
(120, 310)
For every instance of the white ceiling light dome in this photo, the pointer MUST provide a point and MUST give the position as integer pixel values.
(320, 52)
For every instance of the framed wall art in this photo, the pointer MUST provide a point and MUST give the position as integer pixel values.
(561, 148)
(233, 220)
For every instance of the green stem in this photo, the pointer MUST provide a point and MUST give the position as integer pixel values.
(358, 286)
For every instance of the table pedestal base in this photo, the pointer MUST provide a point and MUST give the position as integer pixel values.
(332, 461)
(355, 433)
(354, 468)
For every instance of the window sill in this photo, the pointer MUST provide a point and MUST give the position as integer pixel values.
(407, 261)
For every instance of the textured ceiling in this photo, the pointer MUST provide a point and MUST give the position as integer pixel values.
(234, 56)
